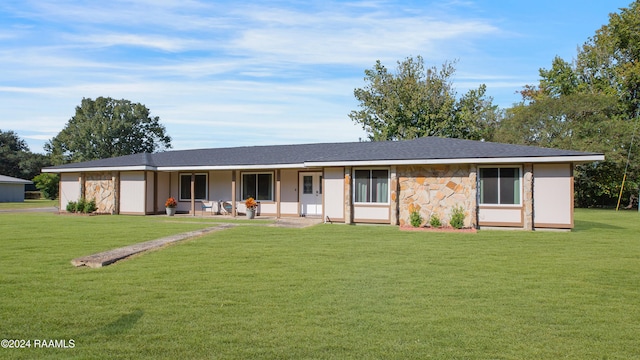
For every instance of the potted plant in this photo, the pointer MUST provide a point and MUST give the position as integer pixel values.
(171, 205)
(251, 205)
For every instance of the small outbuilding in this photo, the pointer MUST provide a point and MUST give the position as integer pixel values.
(12, 189)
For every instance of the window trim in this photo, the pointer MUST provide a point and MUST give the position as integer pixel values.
(370, 169)
(520, 186)
(206, 189)
(271, 185)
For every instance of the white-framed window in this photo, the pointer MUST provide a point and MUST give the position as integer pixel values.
(371, 186)
(258, 186)
(201, 186)
(500, 185)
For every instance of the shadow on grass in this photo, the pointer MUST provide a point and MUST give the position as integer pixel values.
(582, 225)
(120, 326)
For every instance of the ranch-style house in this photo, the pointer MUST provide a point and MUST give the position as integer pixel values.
(497, 185)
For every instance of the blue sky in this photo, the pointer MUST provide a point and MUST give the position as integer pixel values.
(230, 73)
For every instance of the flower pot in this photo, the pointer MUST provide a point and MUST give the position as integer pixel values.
(171, 211)
(251, 213)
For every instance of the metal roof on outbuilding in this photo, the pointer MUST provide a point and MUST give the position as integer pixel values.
(12, 180)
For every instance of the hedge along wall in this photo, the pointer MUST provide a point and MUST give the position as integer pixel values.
(436, 190)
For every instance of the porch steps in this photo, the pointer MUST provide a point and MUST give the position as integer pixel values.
(109, 257)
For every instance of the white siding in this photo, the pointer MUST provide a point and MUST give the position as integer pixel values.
(163, 189)
(553, 195)
(505, 216)
(150, 191)
(69, 188)
(333, 190)
(289, 192)
(371, 213)
(220, 186)
(132, 192)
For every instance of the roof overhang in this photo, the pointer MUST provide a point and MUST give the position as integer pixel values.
(231, 167)
(577, 159)
(97, 169)
(512, 160)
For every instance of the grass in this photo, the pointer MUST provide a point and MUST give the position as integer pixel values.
(326, 292)
(29, 204)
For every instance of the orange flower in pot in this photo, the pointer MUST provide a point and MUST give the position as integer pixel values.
(251, 205)
(170, 206)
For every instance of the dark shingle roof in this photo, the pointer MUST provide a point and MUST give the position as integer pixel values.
(426, 148)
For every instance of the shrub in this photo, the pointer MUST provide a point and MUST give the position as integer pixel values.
(457, 217)
(82, 206)
(415, 219)
(71, 206)
(90, 206)
(47, 184)
(435, 221)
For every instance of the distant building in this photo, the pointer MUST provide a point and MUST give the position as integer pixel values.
(12, 189)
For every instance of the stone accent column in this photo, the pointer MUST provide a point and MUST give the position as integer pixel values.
(348, 205)
(393, 185)
(527, 201)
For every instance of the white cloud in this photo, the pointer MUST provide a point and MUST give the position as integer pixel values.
(220, 72)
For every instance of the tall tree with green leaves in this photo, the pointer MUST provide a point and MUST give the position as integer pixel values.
(590, 104)
(415, 102)
(106, 127)
(16, 159)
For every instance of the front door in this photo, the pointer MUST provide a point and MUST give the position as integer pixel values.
(310, 193)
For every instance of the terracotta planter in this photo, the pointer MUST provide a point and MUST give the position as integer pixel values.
(171, 211)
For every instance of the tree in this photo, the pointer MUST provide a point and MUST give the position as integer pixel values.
(415, 102)
(104, 128)
(590, 104)
(47, 184)
(15, 158)
(10, 148)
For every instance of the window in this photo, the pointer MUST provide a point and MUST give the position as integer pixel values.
(371, 186)
(500, 186)
(200, 187)
(258, 186)
(307, 182)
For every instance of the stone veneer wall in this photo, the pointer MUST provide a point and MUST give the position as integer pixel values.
(99, 186)
(436, 189)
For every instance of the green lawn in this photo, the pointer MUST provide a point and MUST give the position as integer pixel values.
(330, 291)
(29, 204)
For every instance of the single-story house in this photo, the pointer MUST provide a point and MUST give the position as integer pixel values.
(497, 185)
(12, 189)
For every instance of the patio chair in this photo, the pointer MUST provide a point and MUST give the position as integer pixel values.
(225, 207)
(207, 205)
